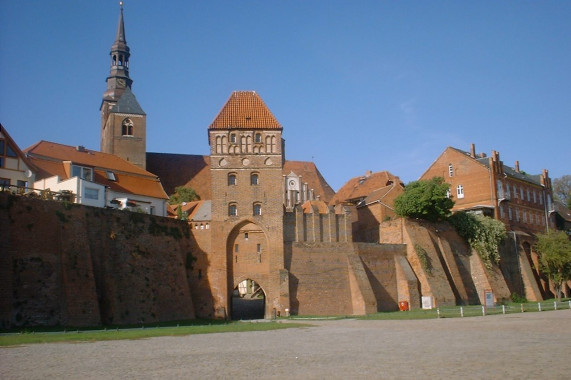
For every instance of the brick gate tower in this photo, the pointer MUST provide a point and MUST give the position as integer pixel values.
(123, 121)
(246, 151)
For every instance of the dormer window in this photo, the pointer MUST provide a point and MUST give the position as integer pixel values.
(82, 172)
(111, 176)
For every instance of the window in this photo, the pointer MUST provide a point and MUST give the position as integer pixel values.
(232, 179)
(232, 209)
(82, 172)
(91, 193)
(521, 192)
(540, 198)
(257, 209)
(254, 179)
(450, 170)
(502, 214)
(1, 162)
(448, 194)
(460, 191)
(517, 214)
(4, 182)
(127, 127)
(2, 147)
(111, 176)
(245, 236)
(236, 248)
(510, 215)
(259, 251)
(515, 192)
(508, 194)
(528, 196)
(534, 197)
(258, 138)
(233, 138)
(500, 189)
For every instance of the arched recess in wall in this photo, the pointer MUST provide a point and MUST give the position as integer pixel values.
(247, 258)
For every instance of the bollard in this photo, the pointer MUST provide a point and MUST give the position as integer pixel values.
(461, 311)
(521, 304)
(503, 309)
(438, 312)
(483, 311)
(555, 305)
(539, 306)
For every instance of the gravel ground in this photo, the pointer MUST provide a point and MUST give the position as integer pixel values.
(515, 346)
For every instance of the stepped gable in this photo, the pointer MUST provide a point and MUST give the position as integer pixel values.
(245, 110)
(53, 159)
(310, 174)
(358, 188)
(189, 170)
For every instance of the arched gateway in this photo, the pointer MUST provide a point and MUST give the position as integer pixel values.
(248, 258)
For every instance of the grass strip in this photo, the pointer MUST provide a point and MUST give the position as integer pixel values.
(17, 339)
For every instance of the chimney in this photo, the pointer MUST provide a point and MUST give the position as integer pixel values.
(473, 150)
(368, 174)
(517, 166)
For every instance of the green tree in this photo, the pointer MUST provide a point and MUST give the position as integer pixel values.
(554, 250)
(425, 199)
(183, 194)
(483, 233)
(562, 190)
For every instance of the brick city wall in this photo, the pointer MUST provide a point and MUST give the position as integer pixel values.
(70, 265)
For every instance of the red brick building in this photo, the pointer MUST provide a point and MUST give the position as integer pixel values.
(482, 184)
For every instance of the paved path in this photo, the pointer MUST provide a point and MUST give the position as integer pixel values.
(516, 346)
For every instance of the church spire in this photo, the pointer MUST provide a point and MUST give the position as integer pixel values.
(118, 78)
(123, 121)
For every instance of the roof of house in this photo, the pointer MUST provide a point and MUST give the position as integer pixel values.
(16, 148)
(379, 194)
(511, 172)
(320, 206)
(188, 170)
(245, 110)
(310, 174)
(362, 186)
(50, 158)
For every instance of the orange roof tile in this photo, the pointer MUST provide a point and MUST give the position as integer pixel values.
(310, 174)
(363, 186)
(245, 110)
(49, 158)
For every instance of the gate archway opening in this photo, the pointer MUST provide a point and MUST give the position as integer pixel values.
(248, 301)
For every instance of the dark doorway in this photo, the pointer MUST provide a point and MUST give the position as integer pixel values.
(248, 301)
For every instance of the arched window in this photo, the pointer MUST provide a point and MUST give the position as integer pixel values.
(232, 209)
(232, 179)
(254, 179)
(257, 209)
(460, 191)
(127, 127)
(218, 144)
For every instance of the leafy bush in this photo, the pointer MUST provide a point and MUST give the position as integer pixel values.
(425, 199)
(484, 234)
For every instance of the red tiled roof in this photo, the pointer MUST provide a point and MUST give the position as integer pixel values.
(245, 110)
(310, 174)
(363, 186)
(321, 207)
(49, 158)
(188, 170)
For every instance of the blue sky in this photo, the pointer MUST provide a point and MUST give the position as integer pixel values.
(357, 85)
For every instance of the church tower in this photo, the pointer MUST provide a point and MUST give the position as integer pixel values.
(123, 121)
